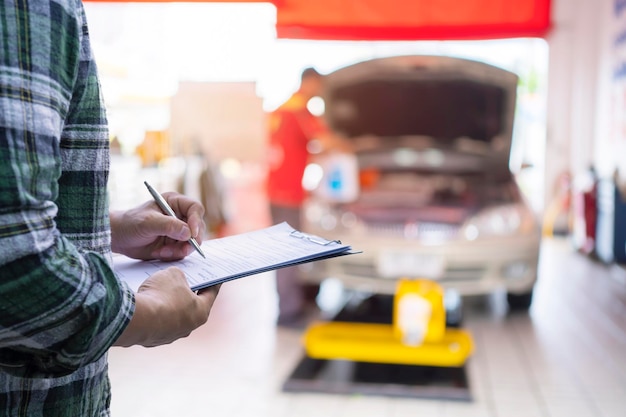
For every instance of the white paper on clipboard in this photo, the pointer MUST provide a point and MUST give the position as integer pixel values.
(238, 256)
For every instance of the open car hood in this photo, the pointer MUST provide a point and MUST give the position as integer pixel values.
(433, 113)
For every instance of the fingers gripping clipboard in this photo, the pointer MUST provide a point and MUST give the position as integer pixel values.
(239, 256)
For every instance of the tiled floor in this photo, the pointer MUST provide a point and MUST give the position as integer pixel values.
(567, 358)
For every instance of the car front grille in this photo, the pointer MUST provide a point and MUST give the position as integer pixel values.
(414, 231)
(453, 273)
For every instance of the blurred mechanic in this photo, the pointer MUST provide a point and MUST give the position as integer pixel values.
(293, 132)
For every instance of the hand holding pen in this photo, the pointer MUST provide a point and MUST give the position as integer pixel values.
(143, 232)
(162, 203)
(166, 308)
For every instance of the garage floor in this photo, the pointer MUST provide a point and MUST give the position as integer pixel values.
(567, 358)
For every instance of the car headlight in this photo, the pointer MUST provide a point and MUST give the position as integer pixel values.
(320, 215)
(499, 221)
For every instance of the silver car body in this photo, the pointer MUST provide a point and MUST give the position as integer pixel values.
(428, 192)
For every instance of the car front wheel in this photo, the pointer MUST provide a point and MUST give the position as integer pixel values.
(519, 302)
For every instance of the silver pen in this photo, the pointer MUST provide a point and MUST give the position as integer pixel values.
(158, 198)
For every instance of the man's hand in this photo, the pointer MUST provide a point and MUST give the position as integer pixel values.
(145, 232)
(166, 310)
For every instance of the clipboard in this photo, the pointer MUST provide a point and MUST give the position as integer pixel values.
(238, 256)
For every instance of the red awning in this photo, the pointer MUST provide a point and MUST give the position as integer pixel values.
(412, 19)
(406, 19)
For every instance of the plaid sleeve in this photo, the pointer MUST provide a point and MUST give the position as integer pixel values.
(61, 305)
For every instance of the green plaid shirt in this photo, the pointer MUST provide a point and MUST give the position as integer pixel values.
(61, 305)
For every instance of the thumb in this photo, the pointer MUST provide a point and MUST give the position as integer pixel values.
(169, 226)
(208, 295)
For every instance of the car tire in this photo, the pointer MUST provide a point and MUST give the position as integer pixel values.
(519, 302)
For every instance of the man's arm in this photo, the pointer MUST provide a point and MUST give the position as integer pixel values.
(331, 142)
(61, 305)
(59, 310)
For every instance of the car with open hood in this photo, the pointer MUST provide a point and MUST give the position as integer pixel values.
(428, 191)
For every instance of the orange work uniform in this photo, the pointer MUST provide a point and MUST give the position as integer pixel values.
(291, 127)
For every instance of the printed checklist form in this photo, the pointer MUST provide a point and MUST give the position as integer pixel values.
(238, 256)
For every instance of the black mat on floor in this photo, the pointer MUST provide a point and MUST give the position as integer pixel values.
(348, 377)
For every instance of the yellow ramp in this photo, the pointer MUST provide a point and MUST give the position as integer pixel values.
(368, 342)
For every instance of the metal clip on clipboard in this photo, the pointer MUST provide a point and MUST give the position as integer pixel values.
(313, 239)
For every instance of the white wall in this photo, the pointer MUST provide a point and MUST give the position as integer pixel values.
(586, 103)
(207, 117)
(604, 155)
(578, 48)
